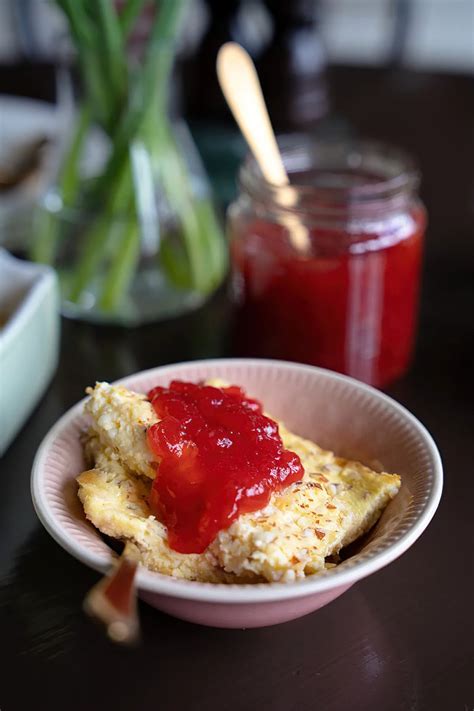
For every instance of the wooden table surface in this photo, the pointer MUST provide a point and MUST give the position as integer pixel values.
(401, 639)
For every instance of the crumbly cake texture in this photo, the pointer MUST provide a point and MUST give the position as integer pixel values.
(120, 418)
(336, 502)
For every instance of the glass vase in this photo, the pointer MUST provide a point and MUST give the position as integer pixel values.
(132, 267)
(130, 225)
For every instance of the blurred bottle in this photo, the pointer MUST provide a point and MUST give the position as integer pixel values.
(292, 67)
(283, 39)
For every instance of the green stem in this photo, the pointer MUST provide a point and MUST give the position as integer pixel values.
(129, 14)
(80, 25)
(48, 229)
(69, 181)
(132, 107)
(111, 35)
(152, 82)
(178, 196)
(96, 239)
(121, 272)
(201, 233)
(84, 33)
(214, 238)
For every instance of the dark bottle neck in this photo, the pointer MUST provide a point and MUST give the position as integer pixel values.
(297, 13)
(290, 61)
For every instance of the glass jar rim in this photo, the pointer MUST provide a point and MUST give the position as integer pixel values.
(389, 181)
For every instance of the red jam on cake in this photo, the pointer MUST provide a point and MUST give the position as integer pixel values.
(219, 457)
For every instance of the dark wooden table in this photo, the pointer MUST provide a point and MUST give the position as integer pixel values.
(400, 640)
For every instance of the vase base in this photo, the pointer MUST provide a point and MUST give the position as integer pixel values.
(149, 300)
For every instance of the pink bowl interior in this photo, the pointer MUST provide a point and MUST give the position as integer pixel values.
(339, 414)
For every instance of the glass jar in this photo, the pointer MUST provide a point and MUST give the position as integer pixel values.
(327, 271)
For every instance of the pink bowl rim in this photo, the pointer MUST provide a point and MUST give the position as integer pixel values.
(258, 593)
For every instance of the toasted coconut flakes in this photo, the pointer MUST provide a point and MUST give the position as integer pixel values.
(314, 484)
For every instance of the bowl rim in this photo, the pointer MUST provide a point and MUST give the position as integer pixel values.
(153, 582)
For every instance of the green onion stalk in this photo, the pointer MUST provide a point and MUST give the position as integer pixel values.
(130, 104)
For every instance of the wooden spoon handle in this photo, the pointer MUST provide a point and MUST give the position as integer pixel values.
(241, 87)
(113, 602)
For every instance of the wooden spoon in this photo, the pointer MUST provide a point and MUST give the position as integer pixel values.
(241, 87)
(113, 601)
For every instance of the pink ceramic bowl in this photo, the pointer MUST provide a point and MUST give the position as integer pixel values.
(339, 413)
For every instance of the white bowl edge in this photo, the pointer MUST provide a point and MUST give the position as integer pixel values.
(259, 593)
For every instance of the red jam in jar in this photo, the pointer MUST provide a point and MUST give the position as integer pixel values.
(345, 296)
(219, 457)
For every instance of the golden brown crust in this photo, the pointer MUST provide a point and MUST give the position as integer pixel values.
(337, 501)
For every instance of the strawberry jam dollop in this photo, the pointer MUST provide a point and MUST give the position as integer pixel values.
(219, 456)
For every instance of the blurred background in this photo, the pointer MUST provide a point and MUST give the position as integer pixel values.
(396, 71)
(301, 52)
(427, 34)
(295, 49)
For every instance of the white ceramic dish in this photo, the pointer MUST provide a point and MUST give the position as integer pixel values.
(337, 412)
(29, 339)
